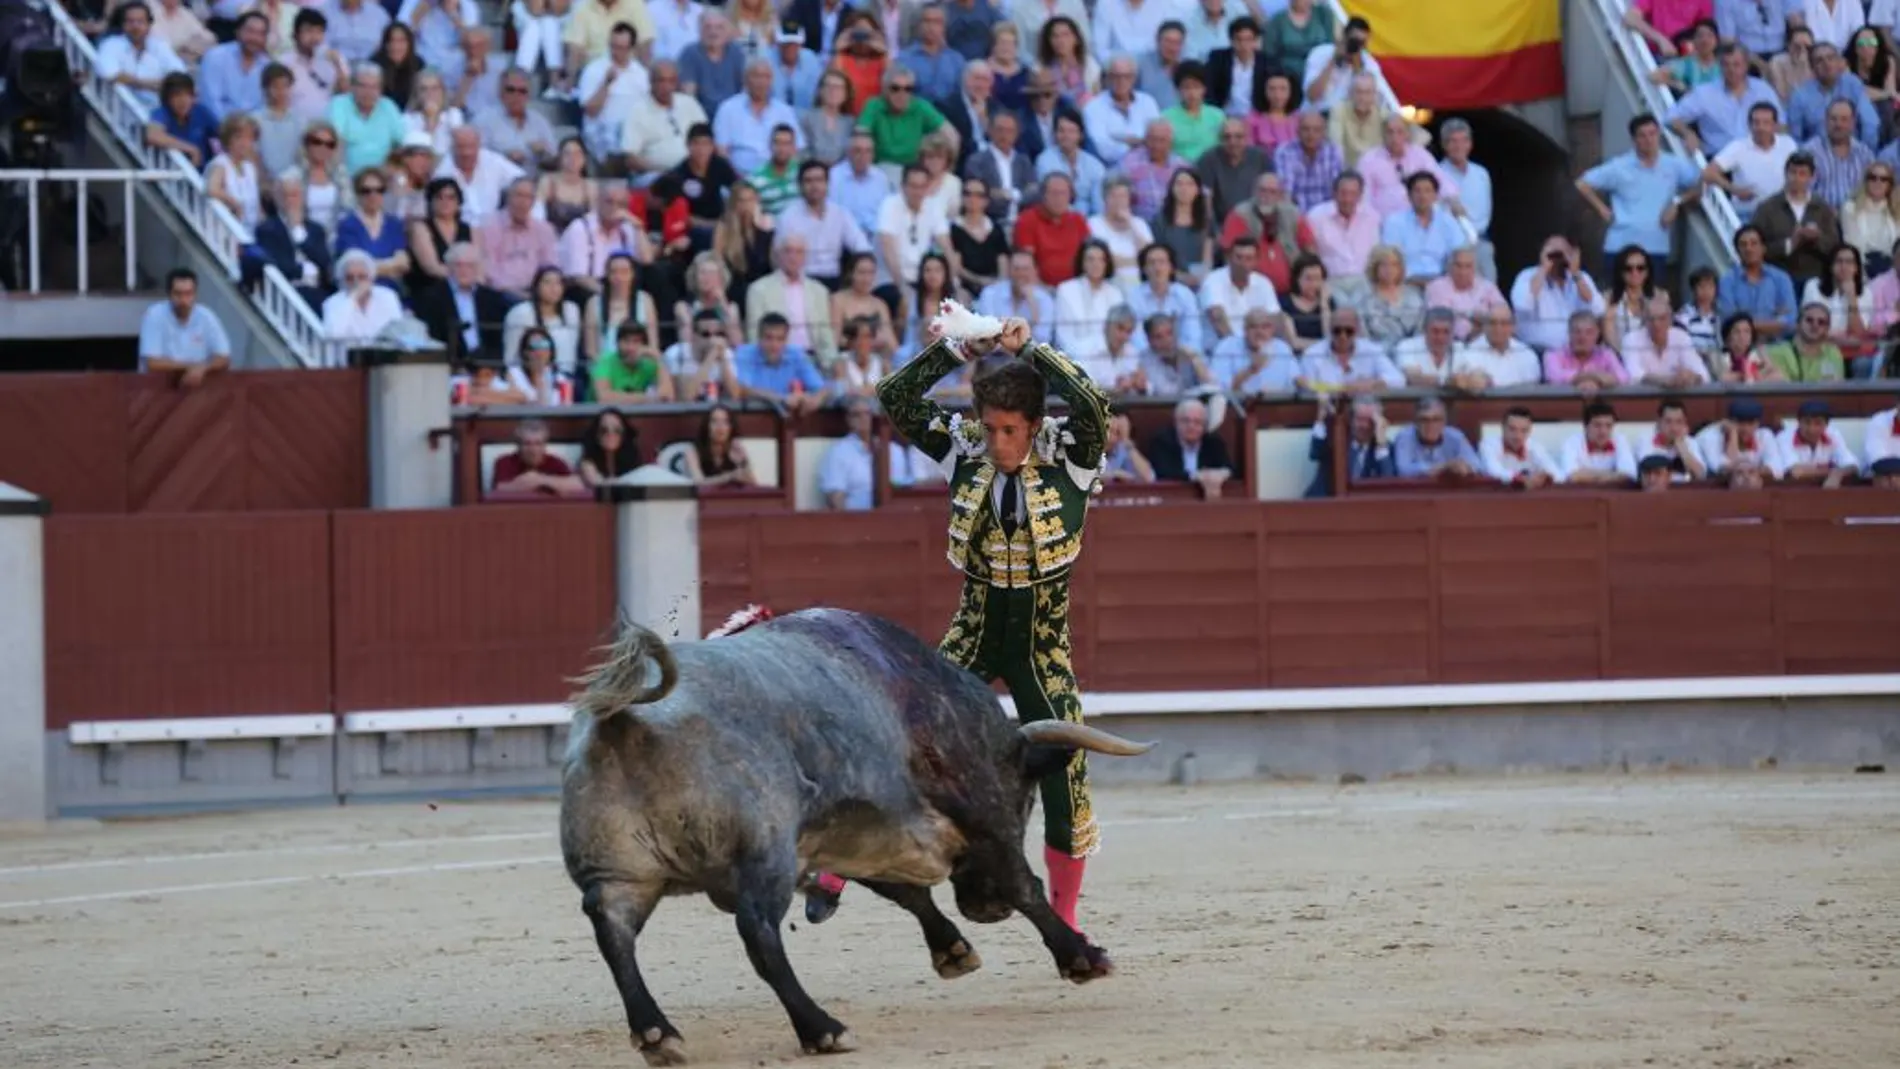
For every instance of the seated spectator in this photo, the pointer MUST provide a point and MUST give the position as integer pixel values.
(482, 382)
(1062, 54)
(1495, 359)
(1009, 67)
(431, 236)
(858, 300)
(1184, 225)
(1117, 368)
(772, 370)
(1673, 442)
(1698, 316)
(180, 123)
(1546, 294)
(359, 309)
(938, 67)
(1424, 231)
(280, 131)
(136, 58)
(1513, 459)
(368, 123)
(380, 234)
(1633, 286)
(1428, 449)
(1267, 216)
(1009, 175)
(1348, 362)
(430, 114)
(1118, 119)
(982, 248)
(859, 368)
(1330, 69)
(548, 310)
(1756, 288)
(1585, 363)
(1309, 305)
(397, 58)
(532, 373)
(1276, 122)
(1051, 232)
(1021, 296)
(1122, 462)
(294, 244)
(481, 175)
(1066, 157)
(1763, 34)
(933, 285)
(1653, 474)
(1231, 170)
(610, 86)
(476, 87)
(591, 241)
(718, 457)
(631, 372)
(898, 119)
(744, 124)
(1390, 168)
(1258, 361)
(1345, 228)
(1695, 65)
(847, 479)
(1156, 293)
(1170, 369)
(531, 468)
(1661, 354)
(1428, 359)
(1850, 306)
(1084, 301)
(1149, 168)
(1121, 230)
(797, 298)
(1310, 165)
(409, 178)
(1727, 445)
(1664, 26)
(795, 69)
(610, 448)
(1358, 126)
(514, 243)
(829, 230)
(1800, 230)
(1870, 220)
(1885, 473)
(708, 284)
(1368, 452)
(1809, 356)
(1753, 168)
(1462, 290)
(1390, 308)
(969, 110)
(1227, 296)
(654, 132)
(181, 337)
(461, 312)
(520, 135)
(1739, 360)
(1811, 449)
(862, 53)
(1196, 125)
(701, 362)
(1185, 452)
(232, 74)
(777, 178)
(1597, 454)
(1712, 114)
(233, 177)
(174, 22)
(1839, 159)
(1155, 66)
(1830, 80)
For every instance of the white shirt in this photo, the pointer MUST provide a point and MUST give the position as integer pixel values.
(445, 125)
(1575, 457)
(1413, 354)
(1123, 244)
(1837, 304)
(1761, 170)
(1650, 448)
(1882, 438)
(1506, 467)
(1835, 27)
(1316, 63)
(1319, 364)
(656, 133)
(1830, 450)
(241, 181)
(1105, 368)
(1082, 316)
(629, 88)
(481, 192)
(151, 63)
(1714, 449)
(344, 318)
(913, 232)
(1516, 366)
(675, 26)
(1106, 121)
(1219, 291)
(1129, 26)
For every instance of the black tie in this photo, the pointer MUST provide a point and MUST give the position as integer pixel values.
(1012, 493)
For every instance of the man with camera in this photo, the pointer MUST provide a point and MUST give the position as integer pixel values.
(1330, 68)
(1548, 292)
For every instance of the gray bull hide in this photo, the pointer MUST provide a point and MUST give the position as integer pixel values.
(822, 740)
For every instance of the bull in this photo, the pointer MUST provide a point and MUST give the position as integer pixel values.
(822, 740)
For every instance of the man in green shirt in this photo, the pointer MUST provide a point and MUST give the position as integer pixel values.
(1810, 356)
(899, 119)
(630, 372)
(777, 181)
(1196, 126)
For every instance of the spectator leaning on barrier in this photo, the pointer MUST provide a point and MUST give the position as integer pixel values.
(1429, 449)
(1673, 442)
(1183, 451)
(1122, 462)
(134, 58)
(1585, 363)
(1597, 454)
(847, 477)
(1881, 439)
(179, 336)
(771, 369)
(1258, 361)
(531, 468)
(1495, 359)
(1429, 358)
(1368, 452)
(1653, 474)
(1728, 444)
(1811, 448)
(180, 123)
(1513, 459)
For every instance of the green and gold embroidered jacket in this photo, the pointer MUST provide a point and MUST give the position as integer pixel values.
(1061, 473)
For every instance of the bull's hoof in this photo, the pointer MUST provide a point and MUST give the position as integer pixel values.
(661, 1048)
(1093, 964)
(838, 1042)
(960, 959)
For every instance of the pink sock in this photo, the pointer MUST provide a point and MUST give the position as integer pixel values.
(830, 884)
(1065, 883)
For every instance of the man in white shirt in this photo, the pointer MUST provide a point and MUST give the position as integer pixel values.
(1227, 296)
(1330, 70)
(1117, 118)
(1022, 296)
(136, 59)
(609, 88)
(858, 184)
(907, 225)
(1753, 168)
(1347, 361)
(1474, 189)
(1257, 360)
(1728, 444)
(805, 304)
(675, 26)
(1513, 459)
(1882, 439)
(1673, 442)
(1597, 454)
(1547, 293)
(1429, 357)
(828, 230)
(1661, 353)
(654, 133)
(482, 173)
(1812, 449)
(1129, 26)
(1116, 367)
(743, 125)
(1496, 360)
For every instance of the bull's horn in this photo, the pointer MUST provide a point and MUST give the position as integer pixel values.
(1082, 737)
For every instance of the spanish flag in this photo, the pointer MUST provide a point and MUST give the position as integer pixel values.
(1468, 53)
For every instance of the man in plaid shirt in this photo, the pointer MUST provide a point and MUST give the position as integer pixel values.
(1150, 168)
(1309, 164)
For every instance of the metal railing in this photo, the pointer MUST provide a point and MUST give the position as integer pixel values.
(214, 224)
(83, 179)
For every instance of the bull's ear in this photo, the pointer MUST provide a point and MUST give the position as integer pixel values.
(1040, 761)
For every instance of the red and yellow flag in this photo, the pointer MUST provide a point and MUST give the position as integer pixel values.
(1468, 53)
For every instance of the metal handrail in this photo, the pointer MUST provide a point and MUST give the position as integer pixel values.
(82, 178)
(221, 231)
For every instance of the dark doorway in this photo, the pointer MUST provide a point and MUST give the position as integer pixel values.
(1531, 188)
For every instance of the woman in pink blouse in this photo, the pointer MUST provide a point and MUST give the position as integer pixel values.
(1274, 125)
(1586, 362)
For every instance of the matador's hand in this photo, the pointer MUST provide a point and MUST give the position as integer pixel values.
(1015, 335)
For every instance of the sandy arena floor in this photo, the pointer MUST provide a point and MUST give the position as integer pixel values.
(1738, 922)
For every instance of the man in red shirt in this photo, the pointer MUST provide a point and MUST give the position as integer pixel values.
(1051, 232)
(531, 468)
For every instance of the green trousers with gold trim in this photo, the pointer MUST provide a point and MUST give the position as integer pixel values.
(1021, 636)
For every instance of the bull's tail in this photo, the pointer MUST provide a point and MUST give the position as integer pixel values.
(620, 679)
